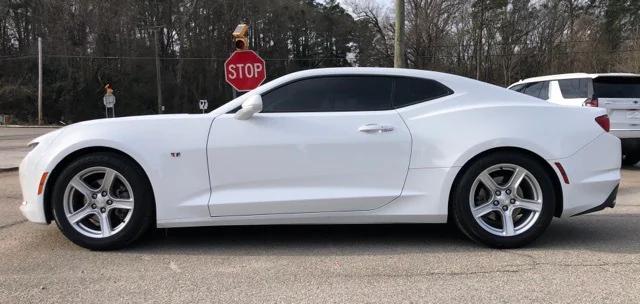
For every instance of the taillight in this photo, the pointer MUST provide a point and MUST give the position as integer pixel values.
(591, 102)
(604, 122)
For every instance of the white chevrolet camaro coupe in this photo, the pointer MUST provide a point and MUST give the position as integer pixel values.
(330, 146)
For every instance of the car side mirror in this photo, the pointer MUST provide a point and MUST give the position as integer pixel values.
(250, 106)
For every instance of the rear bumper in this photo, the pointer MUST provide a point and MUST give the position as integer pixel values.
(626, 133)
(609, 203)
(594, 174)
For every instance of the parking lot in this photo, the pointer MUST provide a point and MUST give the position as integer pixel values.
(588, 259)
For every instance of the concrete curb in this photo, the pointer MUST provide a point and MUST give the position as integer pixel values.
(10, 169)
(30, 127)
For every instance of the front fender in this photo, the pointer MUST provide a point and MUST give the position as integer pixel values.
(170, 149)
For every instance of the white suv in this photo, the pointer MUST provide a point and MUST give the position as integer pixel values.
(618, 93)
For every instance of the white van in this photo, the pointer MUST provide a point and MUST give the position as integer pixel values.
(618, 93)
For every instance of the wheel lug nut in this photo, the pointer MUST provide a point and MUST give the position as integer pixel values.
(103, 209)
(505, 208)
(109, 202)
(498, 193)
(496, 203)
(94, 206)
(94, 196)
(104, 193)
(508, 192)
(513, 201)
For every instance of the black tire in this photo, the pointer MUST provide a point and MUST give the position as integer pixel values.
(461, 209)
(141, 216)
(630, 158)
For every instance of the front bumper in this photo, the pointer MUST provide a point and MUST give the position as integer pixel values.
(33, 212)
(30, 173)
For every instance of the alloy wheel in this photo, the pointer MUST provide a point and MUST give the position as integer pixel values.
(98, 202)
(506, 200)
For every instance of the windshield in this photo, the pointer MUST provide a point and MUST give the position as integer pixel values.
(616, 87)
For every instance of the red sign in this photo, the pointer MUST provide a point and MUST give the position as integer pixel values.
(245, 70)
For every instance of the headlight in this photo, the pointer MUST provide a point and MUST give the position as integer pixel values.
(45, 139)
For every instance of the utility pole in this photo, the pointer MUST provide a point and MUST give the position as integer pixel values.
(158, 76)
(398, 58)
(39, 81)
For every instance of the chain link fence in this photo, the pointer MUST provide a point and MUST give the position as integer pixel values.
(73, 86)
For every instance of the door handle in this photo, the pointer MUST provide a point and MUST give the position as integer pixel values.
(375, 128)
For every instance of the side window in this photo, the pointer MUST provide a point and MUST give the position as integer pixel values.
(361, 93)
(518, 87)
(533, 89)
(331, 94)
(574, 88)
(307, 95)
(409, 91)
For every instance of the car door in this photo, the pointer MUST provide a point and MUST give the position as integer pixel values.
(322, 144)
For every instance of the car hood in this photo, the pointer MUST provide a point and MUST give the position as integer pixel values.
(129, 119)
(98, 127)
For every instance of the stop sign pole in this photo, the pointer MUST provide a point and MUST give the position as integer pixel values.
(245, 70)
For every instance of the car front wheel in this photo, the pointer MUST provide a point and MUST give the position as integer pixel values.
(504, 200)
(102, 201)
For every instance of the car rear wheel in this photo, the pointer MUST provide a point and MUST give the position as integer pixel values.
(102, 201)
(504, 200)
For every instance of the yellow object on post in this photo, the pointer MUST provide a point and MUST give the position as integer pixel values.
(241, 37)
(108, 89)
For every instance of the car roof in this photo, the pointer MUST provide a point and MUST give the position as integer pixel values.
(459, 84)
(572, 76)
(454, 82)
(372, 71)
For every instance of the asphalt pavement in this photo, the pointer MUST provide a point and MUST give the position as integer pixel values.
(587, 259)
(13, 144)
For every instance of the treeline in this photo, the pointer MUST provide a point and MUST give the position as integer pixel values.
(501, 41)
(88, 43)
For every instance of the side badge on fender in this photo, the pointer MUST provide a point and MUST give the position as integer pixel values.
(175, 154)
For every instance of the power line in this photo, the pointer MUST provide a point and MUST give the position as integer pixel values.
(187, 58)
(17, 57)
(321, 58)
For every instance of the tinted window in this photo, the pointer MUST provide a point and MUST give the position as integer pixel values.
(358, 93)
(616, 87)
(544, 92)
(304, 95)
(517, 88)
(415, 90)
(533, 89)
(344, 93)
(574, 88)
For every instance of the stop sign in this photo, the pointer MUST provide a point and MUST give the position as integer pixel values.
(245, 70)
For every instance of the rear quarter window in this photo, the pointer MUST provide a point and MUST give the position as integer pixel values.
(409, 91)
(574, 88)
